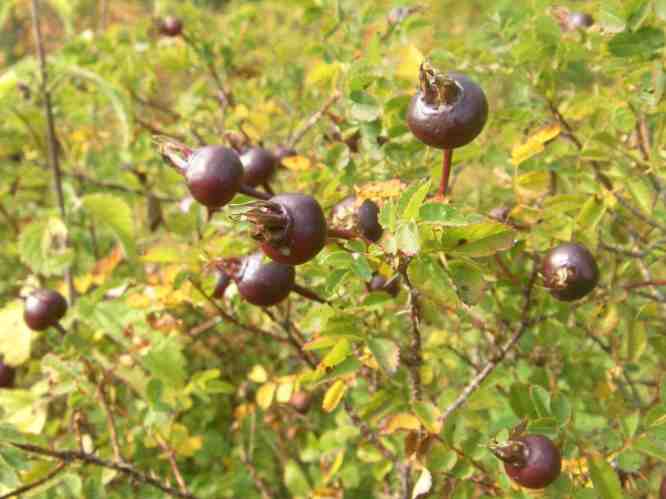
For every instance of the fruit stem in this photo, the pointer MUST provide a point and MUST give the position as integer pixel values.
(307, 293)
(342, 233)
(60, 329)
(268, 189)
(254, 193)
(446, 171)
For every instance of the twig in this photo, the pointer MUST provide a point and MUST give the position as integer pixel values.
(54, 160)
(110, 422)
(475, 383)
(258, 481)
(367, 432)
(414, 364)
(69, 456)
(645, 284)
(33, 485)
(287, 326)
(312, 121)
(171, 455)
(229, 318)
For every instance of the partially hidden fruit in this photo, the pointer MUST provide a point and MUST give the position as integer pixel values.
(662, 489)
(532, 461)
(291, 227)
(222, 281)
(579, 20)
(7, 375)
(381, 283)
(282, 152)
(214, 175)
(259, 166)
(264, 284)
(368, 221)
(44, 308)
(570, 272)
(300, 401)
(448, 111)
(171, 26)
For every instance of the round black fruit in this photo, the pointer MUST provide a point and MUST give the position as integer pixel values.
(570, 272)
(259, 166)
(264, 284)
(448, 111)
(214, 174)
(7, 375)
(380, 283)
(291, 227)
(532, 461)
(44, 308)
(171, 26)
(368, 221)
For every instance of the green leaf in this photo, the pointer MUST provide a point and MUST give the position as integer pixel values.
(166, 361)
(42, 247)
(415, 202)
(468, 280)
(643, 42)
(408, 239)
(24, 410)
(113, 212)
(387, 354)
(641, 192)
(540, 400)
(482, 239)
(338, 353)
(543, 426)
(444, 214)
(605, 480)
(364, 107)
(561, 408)
(651, 446)
(520, 400)
(429, 416)
(15, 336)
(660, 9)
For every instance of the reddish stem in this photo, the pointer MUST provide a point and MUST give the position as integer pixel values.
(645, 284)
(446, 171)
(342, 233)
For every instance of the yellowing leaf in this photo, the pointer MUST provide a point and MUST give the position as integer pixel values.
(534, 144)
(258, 374)
(322, 74)
(297, 163)
(410, 59)
(284, 392)
(401, 421)
(335, 467)
(265, 395)
(531, 185)
(334, 395)
(15, 336)
(105, 266)
(381, 190)
(23, 409)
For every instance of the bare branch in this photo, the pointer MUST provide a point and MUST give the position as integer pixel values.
(312, 121)
(33, 485)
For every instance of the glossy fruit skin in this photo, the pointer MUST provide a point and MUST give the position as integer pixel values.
(264, 284)
(447, 126)
(306, 231)
(570, 271)
(7, 375)
(542, 466)
(368, 221)
(214, 174)
(259, 166)
(44, 308)
(379, 283)
(171, 26)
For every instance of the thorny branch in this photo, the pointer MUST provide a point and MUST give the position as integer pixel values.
(475, 383)
(54, 160)
(37, 483)
(70, 456)
(414, 364)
